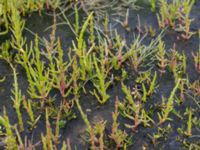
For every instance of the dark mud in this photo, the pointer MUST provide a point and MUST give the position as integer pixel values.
(75, 129)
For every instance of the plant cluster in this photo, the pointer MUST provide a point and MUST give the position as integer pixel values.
(176, 14)
(12, 9)
(100, 60)
(177, 63)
